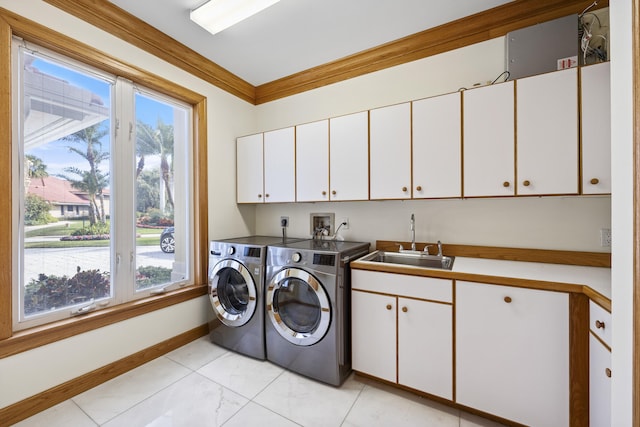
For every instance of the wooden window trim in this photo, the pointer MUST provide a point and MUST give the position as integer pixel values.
(10, 343)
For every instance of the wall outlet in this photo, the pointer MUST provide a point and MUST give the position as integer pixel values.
(284, 221)
(605, 237)
(344, 221)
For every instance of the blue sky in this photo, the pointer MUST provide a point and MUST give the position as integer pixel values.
(56, 154)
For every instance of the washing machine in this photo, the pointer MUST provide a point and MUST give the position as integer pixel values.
(308, 300)
(236, 289)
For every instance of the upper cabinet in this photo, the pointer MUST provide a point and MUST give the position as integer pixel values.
(279, 166)
(349, 157)
(489, 131)
(532, 137)
(249, 169)
(437, 147)
(312, 162)
(547, 133)
(390, 148)
(596, 128)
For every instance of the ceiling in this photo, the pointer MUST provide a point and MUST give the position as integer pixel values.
(296, 35)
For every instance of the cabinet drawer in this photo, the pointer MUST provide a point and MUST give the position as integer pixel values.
(427, 288)
(600, 322)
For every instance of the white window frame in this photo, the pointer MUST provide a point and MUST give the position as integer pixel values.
(122, 206)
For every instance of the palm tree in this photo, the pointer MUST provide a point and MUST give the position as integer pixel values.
(150, 141)
(36, 168)
(93, 181)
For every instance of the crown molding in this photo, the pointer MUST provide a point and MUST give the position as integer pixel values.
(116, 21)
(476, 28)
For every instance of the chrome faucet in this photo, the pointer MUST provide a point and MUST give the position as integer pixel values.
(439, 248)
(413, 232)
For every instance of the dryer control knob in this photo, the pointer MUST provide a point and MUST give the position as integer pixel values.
(296, 257)
(231, 250)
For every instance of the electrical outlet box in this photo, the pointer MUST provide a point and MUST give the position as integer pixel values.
(284, 221)
(322, 224)
(605, 237)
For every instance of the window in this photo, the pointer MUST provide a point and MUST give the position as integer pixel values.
(119, 157)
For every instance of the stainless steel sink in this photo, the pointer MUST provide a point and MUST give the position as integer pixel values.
(413, 259)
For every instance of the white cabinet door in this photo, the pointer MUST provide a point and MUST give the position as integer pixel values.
(547, 133)
(488, 141)
(312, 162)
(279, 166)
(595, 108)
(599, 384)
(373, 336)
(436, 128)
(425, 346)
(390, 147)
(512, 352)
(349, 157)
(249, 169)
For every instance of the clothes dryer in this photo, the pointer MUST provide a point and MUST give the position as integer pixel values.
(308, 322)
(236, 289)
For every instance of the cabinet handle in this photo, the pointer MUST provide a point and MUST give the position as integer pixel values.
(334, 192)
(259, 196)
(594, 181)
(507, 299)
(607, 372)
(526, 183)
(418, 188)
(599, 324)
(324, 193)
(404, 189)
(266, 195)
(389, 307)
(405, 309)
(506, 184)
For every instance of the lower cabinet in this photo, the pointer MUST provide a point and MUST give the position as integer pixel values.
(512, 352)
(402, 330)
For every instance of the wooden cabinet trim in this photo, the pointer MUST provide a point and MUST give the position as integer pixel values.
(579, 360)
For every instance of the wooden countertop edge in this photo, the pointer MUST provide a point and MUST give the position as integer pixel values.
(547, 256)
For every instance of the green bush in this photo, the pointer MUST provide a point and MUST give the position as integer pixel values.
(52, 292)
(152, 275)
(155, 217)
(98, 228)
(36, 211)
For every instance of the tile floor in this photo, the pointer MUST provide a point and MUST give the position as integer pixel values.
(201, 384)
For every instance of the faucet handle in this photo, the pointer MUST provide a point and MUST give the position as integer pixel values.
(401, 248)
(426, 249)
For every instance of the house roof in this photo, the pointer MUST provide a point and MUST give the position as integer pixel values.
(57, 191)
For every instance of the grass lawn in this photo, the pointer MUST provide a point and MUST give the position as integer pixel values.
(147, 236)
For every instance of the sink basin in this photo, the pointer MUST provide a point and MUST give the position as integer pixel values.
(412, 259)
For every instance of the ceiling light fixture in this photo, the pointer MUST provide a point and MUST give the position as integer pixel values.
(217, 15)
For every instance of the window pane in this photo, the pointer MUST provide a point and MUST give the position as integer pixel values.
(161, 194)
(65, 152)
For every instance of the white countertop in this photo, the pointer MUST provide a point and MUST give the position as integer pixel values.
(597, 278)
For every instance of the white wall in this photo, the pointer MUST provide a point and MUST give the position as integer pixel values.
(31, 372)
(620, 15)
(564, 223)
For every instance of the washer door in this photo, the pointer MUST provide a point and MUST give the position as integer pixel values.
(232, 292)
(298, 306)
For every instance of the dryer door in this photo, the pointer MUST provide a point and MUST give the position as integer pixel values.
(298, 306)
(232, 292)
